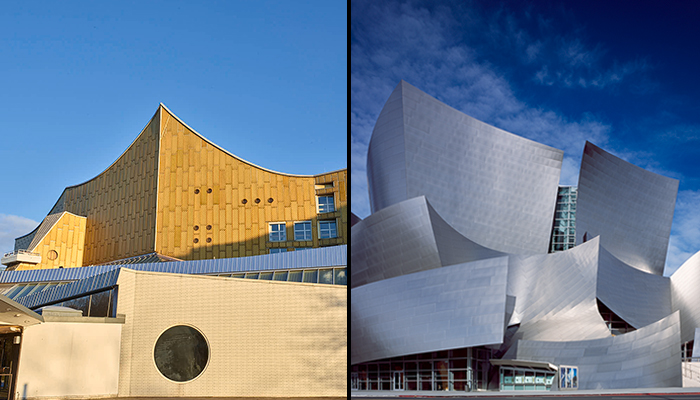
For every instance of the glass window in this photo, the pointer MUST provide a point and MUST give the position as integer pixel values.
(81, 303)
(12, 292)
(325, 276)
(340, 276)
(302, 230)
(100, 304)
(266, 276)
(327, 229)
(278, 250)
(181, 353)
(325, 204)
(294, 276)
(278, 232)
(280, 276)
(251, 275)
(310, 276)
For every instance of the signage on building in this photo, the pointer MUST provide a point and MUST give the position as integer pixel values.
(568, 377)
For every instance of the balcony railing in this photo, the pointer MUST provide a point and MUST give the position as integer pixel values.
(17, 252)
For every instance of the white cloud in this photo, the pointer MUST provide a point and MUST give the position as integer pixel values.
(12, 226)
(685, 233)
(393, 42)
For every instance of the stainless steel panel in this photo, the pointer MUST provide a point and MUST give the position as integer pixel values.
(648, 357)
(495, 188)
(407, 237)
(685, 296)
(638, 297)
(556, 295)
(631, 209)
(463, 305)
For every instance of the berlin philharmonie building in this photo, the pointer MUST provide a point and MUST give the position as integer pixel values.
(477, 271)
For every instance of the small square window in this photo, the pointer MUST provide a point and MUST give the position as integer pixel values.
(325, 204)
(278, 250)
(327, 229)
(278, 232)
(302, 230)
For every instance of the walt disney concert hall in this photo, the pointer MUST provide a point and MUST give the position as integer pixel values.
(477, 271)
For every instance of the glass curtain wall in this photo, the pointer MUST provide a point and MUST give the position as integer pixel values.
(450, 370)
(564, 227)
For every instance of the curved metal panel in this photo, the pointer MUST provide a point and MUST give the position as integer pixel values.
(638, 297)
(495, 188)
(648, 357)
(459, 306)
(405, 238)
(556, 295)
(386, 155)
(685, 296)
(631, 209)
(395, 241)
(453, 247)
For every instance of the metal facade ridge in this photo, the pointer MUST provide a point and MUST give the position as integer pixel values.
(309, 258)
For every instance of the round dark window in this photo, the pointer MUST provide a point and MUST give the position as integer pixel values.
(270, 200)
(208, 227)
(196, 227)
(244, 201)
(196, 191)
(196, 240)
(181, 353)
(209, 190)
(257, 201)
(208, 240)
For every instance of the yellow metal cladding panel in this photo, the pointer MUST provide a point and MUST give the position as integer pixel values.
(224, 204)
(265, 338)
(62, 246)
(119, 203)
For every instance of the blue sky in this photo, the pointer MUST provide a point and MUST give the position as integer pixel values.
(621, 75)
(265, 80)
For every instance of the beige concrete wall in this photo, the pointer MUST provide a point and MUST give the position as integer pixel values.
(266, 338)
(62, 359)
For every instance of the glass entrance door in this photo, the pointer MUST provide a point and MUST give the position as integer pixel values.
(398, 381)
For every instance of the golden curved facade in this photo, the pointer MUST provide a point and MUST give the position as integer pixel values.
(174, 193)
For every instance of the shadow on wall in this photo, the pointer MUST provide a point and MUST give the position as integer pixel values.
(261, 244)
(334, 344)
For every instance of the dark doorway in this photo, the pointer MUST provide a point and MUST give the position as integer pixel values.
(9, 357)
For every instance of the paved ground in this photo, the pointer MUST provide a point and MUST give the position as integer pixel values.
(637, 394)
(212, 398)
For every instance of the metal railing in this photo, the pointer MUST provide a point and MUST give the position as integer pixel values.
(16, 252)
(691, 367)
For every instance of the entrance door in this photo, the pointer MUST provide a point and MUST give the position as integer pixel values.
(9, 356)
(398, 380)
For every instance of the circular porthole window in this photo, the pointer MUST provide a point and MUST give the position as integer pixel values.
(52, 255)
(181, 353)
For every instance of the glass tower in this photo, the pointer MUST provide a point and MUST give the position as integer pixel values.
(564, 227)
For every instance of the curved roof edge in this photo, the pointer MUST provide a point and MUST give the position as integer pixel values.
(201, 137)
(193, 131)
(501, 130)
(47, 224)
(239, 158)
(118, 158)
